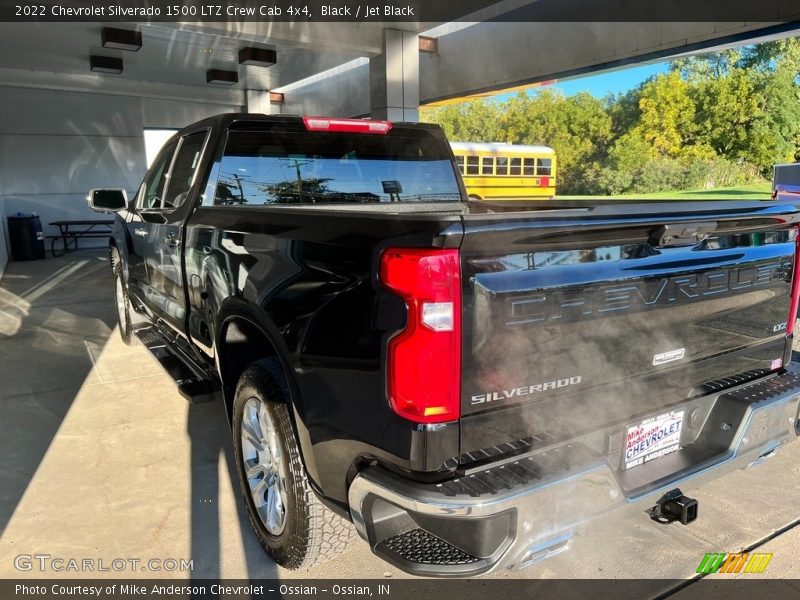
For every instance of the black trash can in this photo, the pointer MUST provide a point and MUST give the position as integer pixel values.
(26, 237)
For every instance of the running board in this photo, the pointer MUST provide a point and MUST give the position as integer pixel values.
(193, 384)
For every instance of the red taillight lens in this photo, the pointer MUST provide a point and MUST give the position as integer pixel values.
(424, 360)
(795, 288)
(347, 125)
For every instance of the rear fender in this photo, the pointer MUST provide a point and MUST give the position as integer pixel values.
(238, 312)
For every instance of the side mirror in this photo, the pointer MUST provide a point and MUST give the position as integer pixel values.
(108, 200)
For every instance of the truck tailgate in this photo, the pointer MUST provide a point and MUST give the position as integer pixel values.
(575, 320)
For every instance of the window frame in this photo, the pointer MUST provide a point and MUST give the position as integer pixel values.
(140, 196)
(178, 145)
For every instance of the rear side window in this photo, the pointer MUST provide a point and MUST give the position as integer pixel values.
(302, 167)
(183, 171)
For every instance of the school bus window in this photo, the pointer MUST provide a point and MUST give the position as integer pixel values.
(544, 166)
(527, 166)
(487, 165)
(502, 165)
(472, 165)
(460, 163)
(516, 163)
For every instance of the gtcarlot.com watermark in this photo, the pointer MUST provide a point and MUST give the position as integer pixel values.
(61, 564)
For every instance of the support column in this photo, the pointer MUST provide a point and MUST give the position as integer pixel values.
(258, 102)
(394, 77)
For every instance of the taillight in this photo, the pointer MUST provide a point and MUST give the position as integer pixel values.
(347, 125)
(424, 360)
(795, 287)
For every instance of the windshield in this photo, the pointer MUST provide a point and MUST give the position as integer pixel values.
(300, 167)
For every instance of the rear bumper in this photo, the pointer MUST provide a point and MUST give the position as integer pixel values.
(514, 513)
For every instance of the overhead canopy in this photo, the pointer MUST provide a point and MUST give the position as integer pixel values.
(323, 68)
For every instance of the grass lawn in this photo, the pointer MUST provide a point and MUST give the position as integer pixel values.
(760, 191)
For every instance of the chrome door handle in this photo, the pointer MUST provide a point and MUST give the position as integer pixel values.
(141, 232)
(171, 240)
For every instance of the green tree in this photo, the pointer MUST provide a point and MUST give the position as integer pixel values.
(624, 111)
(667, 115)
(702, 67)
(726, 108)
(472, 121)
(711, 120)
(747, 101)
(776, 130)
(578, 128)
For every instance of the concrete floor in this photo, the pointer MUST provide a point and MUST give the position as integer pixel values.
(101, 458)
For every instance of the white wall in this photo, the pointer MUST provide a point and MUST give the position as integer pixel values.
(55, 145)
(341, 93)
(173, 114)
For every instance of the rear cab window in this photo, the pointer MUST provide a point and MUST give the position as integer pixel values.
(280, 166)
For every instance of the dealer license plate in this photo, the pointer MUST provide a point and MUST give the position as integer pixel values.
(653, 438)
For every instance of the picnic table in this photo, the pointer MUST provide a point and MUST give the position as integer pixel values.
(71, 231)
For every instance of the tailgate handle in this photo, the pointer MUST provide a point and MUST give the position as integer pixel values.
(681, 234)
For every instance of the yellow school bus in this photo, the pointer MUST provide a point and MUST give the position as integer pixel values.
(506, 171)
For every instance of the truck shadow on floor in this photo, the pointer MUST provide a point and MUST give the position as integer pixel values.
(210, 438)
(53, 315)
(56, 318)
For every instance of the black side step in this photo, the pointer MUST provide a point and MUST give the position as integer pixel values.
(193, 382)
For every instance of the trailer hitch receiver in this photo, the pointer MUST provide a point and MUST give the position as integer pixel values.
(674, 506)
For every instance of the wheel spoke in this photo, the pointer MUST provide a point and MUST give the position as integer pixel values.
(272, 520)
(258, 492)
(250, 435)
(274, 448)
(264, 428)
(254, 469)
(279, 499)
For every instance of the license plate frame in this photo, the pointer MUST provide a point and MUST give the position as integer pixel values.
(652, 438)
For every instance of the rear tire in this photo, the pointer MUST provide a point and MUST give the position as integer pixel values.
(123, 301)
(290, 522)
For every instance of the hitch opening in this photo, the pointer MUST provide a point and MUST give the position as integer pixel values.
(674, 506)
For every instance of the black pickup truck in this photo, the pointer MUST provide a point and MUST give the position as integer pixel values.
(468, 386)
